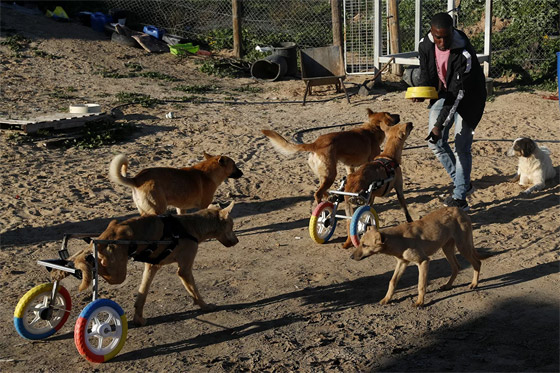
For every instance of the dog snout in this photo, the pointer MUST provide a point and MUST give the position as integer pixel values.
(356, 254)
(236, 174)
(229, 240)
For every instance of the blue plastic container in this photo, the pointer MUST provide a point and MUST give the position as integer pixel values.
(154, 31)
(99, 20)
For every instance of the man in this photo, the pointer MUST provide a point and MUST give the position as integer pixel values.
(448, 62)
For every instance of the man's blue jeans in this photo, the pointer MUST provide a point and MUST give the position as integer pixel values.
(458, 164)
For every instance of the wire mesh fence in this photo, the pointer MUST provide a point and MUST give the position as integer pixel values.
(524, 32)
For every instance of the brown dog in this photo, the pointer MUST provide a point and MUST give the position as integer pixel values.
(378, 170)
(353, 148)
(153, 189)
(191, 228)
(415, 242)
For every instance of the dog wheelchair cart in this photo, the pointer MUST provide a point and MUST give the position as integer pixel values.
(324, 217)
(101, 329)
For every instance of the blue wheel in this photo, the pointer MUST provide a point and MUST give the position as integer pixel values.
(363, 217)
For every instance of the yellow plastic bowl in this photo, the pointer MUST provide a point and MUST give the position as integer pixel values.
(421, 92)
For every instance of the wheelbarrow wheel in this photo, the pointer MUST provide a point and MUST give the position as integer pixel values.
(32, 317)
(322, 222)
(363, 217)
(100, 331)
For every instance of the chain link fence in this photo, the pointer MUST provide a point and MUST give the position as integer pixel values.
(524, 32)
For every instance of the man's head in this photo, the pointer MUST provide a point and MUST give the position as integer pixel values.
(442, 30)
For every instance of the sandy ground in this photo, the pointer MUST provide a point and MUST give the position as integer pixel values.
(285, 302)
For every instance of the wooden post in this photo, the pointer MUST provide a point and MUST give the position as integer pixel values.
(337, 23)
(395, 34)
(236, 13)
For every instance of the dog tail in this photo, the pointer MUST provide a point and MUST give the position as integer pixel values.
(117, 171)
(283, 146)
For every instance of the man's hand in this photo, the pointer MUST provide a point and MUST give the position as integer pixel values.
(434, 136)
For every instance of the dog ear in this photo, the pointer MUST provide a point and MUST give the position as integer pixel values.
(383, 238)
(226, 211)
(125, 231)
(528, 148)
(222, 160)
(369, 112)
(207, 156)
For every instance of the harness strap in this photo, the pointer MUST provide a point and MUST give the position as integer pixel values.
(390, 166)
(173, 231)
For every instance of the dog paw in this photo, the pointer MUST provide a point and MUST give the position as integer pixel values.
(473, 286)
(384, 301)
(208, 307)
(57, 275)
(139, 320)
(419, 304)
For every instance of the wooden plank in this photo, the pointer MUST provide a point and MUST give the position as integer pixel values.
(54, 121)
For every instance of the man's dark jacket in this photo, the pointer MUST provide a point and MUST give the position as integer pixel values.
(466, 86)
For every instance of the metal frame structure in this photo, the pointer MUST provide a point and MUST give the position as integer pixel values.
(411, 58)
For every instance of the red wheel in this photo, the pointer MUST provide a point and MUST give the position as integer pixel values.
(322, 222)
(100, 331)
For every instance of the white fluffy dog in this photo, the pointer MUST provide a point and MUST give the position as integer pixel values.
(535, 166)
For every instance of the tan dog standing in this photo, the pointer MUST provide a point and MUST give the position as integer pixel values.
(191, 228)
(353, 148)
(376, 170)
(415, 242)
(153, 189)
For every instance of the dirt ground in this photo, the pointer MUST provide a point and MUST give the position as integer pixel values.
(285, 303)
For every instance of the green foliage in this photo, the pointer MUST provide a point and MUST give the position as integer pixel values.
(62, 93)
(97, 134)
(137, 98)
(136, 73)
(225, 67)
(43, 54)
(196, 88)
(248, 89)
(133, 66)
(16, 43)
(157, 75)
(219, 39)
(526, 43)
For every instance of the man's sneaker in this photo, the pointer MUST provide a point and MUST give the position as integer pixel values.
(461, 203)
(470, 191)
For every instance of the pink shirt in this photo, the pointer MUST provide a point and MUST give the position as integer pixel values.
(441, 62)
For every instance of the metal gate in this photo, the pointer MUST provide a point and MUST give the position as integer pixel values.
(359, 26)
